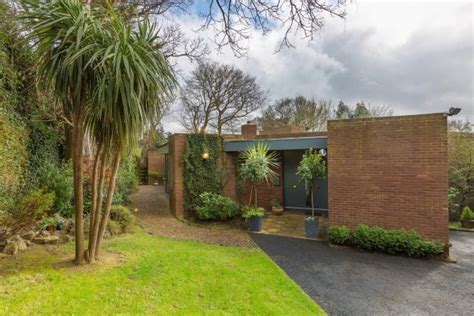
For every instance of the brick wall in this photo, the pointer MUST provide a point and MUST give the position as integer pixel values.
(390, 172)
(155, 166)
(230, 188)
(177, 144)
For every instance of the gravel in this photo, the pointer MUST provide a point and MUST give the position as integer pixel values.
(153, 214)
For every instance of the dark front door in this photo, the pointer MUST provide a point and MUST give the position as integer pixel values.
(296, 197)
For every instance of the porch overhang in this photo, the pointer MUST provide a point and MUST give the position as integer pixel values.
(297, 143)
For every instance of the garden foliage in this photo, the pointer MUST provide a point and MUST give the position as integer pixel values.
(393, 241)
(31, 209)
(339, 235)
(467, 214)
(215, 206)
(121, 220)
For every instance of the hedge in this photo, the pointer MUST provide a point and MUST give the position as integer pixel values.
(393, 241)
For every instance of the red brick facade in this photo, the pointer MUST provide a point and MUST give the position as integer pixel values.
(391, 172)
(177, 145)
(155, 166)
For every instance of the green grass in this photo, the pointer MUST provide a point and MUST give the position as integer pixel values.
(157, 276)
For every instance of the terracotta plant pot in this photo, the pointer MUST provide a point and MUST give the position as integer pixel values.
(466, 223)
(277, 210)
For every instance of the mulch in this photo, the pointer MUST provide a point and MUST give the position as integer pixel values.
(153, 215)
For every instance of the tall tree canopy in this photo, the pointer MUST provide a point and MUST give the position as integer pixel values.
(300, 112)
(361, 110)
(220, 97)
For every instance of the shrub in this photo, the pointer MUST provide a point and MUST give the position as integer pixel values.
(31, 209)
(467, 214)
(127, 180)
(215, 206)
(339, 235)
(121, 220)
(396, 241)
(276, 203)
(251, 211)
(57, 178)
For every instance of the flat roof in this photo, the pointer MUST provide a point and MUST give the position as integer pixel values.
(291, 143)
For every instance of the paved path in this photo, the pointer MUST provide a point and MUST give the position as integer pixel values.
(349, 282)
(153, 214)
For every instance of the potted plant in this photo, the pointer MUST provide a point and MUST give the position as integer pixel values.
(277, 209)
(254, 216)
(311, 168)
(256, 168)
(467, 218)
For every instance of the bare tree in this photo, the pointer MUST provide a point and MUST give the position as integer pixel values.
(300, 112)
(233, 19)
(220, 97)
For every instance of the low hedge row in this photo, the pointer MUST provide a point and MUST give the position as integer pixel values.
(393, 241)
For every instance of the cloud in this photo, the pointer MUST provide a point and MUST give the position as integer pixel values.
(414, 57)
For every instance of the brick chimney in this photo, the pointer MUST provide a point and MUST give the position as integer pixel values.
(249, 130)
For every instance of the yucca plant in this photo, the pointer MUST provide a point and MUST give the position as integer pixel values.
(257, 167)
(111, 79)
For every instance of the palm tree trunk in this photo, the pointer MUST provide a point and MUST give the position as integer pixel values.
(108, 203)
(97, 188)
(78, 176)
(95, 178)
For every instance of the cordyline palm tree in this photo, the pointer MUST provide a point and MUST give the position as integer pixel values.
(111, 80)
(257, 167)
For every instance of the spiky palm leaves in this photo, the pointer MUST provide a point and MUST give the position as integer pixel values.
(257, 167)
(112, 79)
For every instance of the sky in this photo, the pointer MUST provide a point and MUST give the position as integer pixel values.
(414, 56)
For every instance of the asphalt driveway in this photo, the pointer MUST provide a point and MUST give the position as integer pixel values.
(350, 282)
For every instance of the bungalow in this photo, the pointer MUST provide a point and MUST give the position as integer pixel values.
(390, 171)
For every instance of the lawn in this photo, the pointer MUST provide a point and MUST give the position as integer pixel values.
(143, 274)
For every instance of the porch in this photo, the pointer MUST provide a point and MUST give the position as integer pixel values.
(290, 224)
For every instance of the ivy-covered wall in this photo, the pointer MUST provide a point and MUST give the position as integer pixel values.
(29, 138)
(13, 157)
(201, 175)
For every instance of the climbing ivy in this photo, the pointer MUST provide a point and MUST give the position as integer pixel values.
(201, 175)
(13, 154)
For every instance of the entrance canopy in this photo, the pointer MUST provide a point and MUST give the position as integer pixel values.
(297, 143)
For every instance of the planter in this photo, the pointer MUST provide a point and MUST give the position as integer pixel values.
(466, 223)
(255, 223)
(311, 225)
(277, 210)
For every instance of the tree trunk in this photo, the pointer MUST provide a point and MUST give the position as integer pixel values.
(98, 217)
(78, 176)
(312, 202)
(98, 184)
(95, 179)
(108, 204)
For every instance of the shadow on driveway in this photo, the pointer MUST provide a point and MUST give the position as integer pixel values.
(345, 281)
